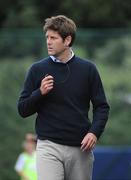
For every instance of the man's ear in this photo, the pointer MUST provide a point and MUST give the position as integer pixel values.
(68, 41)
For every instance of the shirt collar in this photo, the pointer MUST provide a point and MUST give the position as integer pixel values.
(58, 61)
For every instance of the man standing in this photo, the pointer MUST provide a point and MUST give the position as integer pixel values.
(59, 89)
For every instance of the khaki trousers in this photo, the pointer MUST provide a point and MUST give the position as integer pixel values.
(60, 162)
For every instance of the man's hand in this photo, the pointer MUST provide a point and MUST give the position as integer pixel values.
(47, 84)
(88, 142)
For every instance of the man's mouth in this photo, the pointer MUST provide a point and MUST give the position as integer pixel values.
(49, 48)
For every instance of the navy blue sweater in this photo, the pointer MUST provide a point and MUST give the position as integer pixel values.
(62, 114)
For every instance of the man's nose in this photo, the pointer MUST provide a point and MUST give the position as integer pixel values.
(49, 41)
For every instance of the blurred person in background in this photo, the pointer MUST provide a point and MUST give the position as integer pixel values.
(26, 163)
(59, 89)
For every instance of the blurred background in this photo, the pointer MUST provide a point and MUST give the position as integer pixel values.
(104, 37)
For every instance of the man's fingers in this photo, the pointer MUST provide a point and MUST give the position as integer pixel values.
(47, 84)
(88, 142)
(88, 146)
(48, 77)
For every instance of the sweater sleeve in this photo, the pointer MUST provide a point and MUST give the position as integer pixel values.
(99, 102)
(30, 96)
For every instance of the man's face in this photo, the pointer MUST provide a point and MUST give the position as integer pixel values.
(55, 44)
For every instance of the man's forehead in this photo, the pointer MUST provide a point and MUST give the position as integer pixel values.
(50, 31)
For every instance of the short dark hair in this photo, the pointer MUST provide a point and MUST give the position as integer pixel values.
(63, 25)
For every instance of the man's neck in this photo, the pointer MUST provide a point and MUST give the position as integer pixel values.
(65, 56)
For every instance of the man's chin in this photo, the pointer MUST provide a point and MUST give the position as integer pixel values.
(50, 53)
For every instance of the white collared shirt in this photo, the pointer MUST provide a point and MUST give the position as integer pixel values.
(59, 61)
